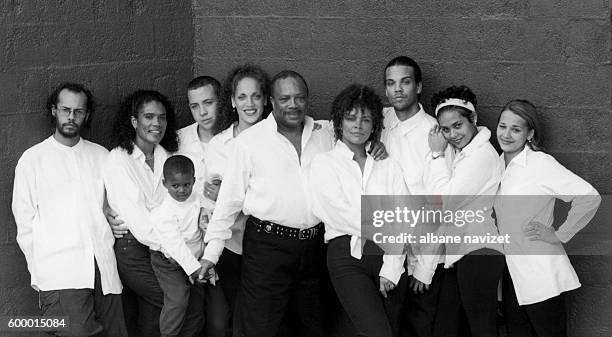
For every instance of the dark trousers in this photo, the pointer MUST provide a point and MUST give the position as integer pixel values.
(542, 319)
(419, 310)
(357, 284)
(221, 299)
(279, 273)
(183, 310)
(134, 265)
(229, 269)
(469, 293)
(90, 312)
(217, 312)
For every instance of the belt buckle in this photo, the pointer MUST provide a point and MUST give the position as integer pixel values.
(307, 234)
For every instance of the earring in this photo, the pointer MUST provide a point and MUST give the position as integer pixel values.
(530, 140)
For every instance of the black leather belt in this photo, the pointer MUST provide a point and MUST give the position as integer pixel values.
(286, 232)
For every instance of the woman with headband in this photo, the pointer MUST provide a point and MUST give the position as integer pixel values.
(466, 176)
(538, 270)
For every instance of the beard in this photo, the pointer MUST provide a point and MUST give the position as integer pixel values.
(67, 132)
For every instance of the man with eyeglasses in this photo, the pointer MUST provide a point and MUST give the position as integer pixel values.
(58, 200)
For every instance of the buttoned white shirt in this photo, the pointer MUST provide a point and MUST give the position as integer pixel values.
(467, 180)
(218, 159)
(267, 179)
(196, 150)
(539, 179)
(58, 200)
(133, 189)
(336, 186)
(407, 142)
(176, 225)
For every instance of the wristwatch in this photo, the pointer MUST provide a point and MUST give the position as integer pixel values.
(436, 155)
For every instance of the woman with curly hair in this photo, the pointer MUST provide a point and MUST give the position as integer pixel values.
(144, 133)
(466, 177)
(244, 103)
(363, 277)
(538, 270)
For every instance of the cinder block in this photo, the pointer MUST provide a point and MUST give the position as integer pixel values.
(373, 9)
(589, 40)
(173, 38)
(108, 42)
(247, 8)
(41, 45)
(15, 273)
(563, 8)
(23, 91)
(481, 8)
(524, 40)
(589, 307)
(350, 39)
(160, 9)
(153, 75)
(595, 271)
(592, 167)
(272, 37)
(40, 11)
(554, 84)
(100, 79)
(589, 129)
(7, 61)
(19, 300)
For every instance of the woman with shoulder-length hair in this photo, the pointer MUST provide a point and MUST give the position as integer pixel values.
(467, 177)
(244, 102)
(538, 270)
(363, 280)
(144, 133)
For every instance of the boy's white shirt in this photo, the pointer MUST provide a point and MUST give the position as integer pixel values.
(176, 227)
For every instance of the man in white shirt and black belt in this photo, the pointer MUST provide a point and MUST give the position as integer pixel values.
(283, 241)
(58, 201)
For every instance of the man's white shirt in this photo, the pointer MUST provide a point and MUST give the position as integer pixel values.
(406, 141)
(267, 179)
(58, 200)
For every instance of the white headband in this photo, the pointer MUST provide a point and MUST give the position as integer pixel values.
(455, 102)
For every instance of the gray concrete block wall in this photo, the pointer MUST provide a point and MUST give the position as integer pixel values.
(556, 53)
(114, 47)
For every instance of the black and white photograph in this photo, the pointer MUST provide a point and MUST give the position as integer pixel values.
(312, 168)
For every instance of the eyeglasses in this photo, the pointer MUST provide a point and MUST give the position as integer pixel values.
(65, 111)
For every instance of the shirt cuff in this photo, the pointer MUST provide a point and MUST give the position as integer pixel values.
(564, 237)
(392, 268)
(423, 274)
(213, 250)
(193, 266)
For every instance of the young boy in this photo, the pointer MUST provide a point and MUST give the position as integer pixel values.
(176, 222)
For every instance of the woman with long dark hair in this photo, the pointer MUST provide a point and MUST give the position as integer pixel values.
(144, 133)
(538, 270)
